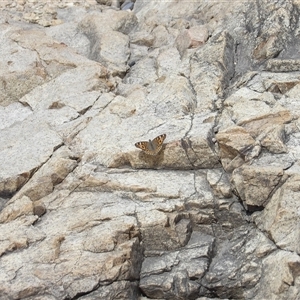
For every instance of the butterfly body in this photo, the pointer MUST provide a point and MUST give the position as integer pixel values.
(152, 147)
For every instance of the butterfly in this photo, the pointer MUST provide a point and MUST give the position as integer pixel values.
(152, 147)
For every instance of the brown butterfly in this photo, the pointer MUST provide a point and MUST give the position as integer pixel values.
(152, 147)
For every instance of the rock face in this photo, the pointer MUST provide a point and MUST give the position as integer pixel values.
(86, 215)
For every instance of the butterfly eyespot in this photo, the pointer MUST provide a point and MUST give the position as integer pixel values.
(152, 147)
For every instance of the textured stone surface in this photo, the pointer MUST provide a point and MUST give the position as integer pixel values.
(84, 214)
(177, 274)
(255, 184)
(280, 219)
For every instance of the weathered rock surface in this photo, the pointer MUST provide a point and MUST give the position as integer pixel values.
(255, 184)
(280, 218)
(177, 274)
(86, 215)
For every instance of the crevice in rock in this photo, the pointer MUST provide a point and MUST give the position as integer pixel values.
(252, 209)
(187, 144)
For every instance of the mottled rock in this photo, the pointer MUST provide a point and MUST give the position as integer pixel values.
(40, 184)
(64, 246)
(203, 62)
(177, 274)
(191, 38)
(220, 184)
(68, 34)
(234, 143)
(281, 277)
(127, 5)
(82, 208)
(107, 33)
(254, 184)
(21, 155)
(237, 264)
(142, 38)
(121, 290)
(280, 219)
(283, 65)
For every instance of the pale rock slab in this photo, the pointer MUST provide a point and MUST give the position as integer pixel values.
(82, 232)
(108, 34)
(67, 264)
(201, 204)
(281, 279)
(47, 16)
(15, 112)
(193, 37)
(274, 140)
(115, 60)
(254, 184)
(137, 53)
(198, 144)
(157, 205)
(18, 234)
(280, 218)
(143, 72)
(211, 67)
(186, 147)
(168, 62)
(52, 112)
(110, 230)
(220, 183)
(21, 155)
(293, 145)
(236, 146)
(194, 151)
(162, 36)
(37, 59)
(87, 81)
(264, 119)
(283, 65)
(109, 20)
(145, 184)
(69, 34)
(285, 161)
(259, 105)
(42, 183)
(54, 57)
(142, 38)
(279, 83)
(13, 67)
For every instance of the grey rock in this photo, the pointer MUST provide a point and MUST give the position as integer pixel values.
(127, 5)
(220, 184)
(285, 265)
(176, 275)
(18, 161)
(283, 65)
(121, 290)
(203, 61)
(107, 33)
(68, 34)
(255, 184)
(237, 263)
(280, 219)
(85, 214)
(191, 38)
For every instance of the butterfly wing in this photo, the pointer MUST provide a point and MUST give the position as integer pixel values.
(157, 143)
(142, 145)
(152, 147)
